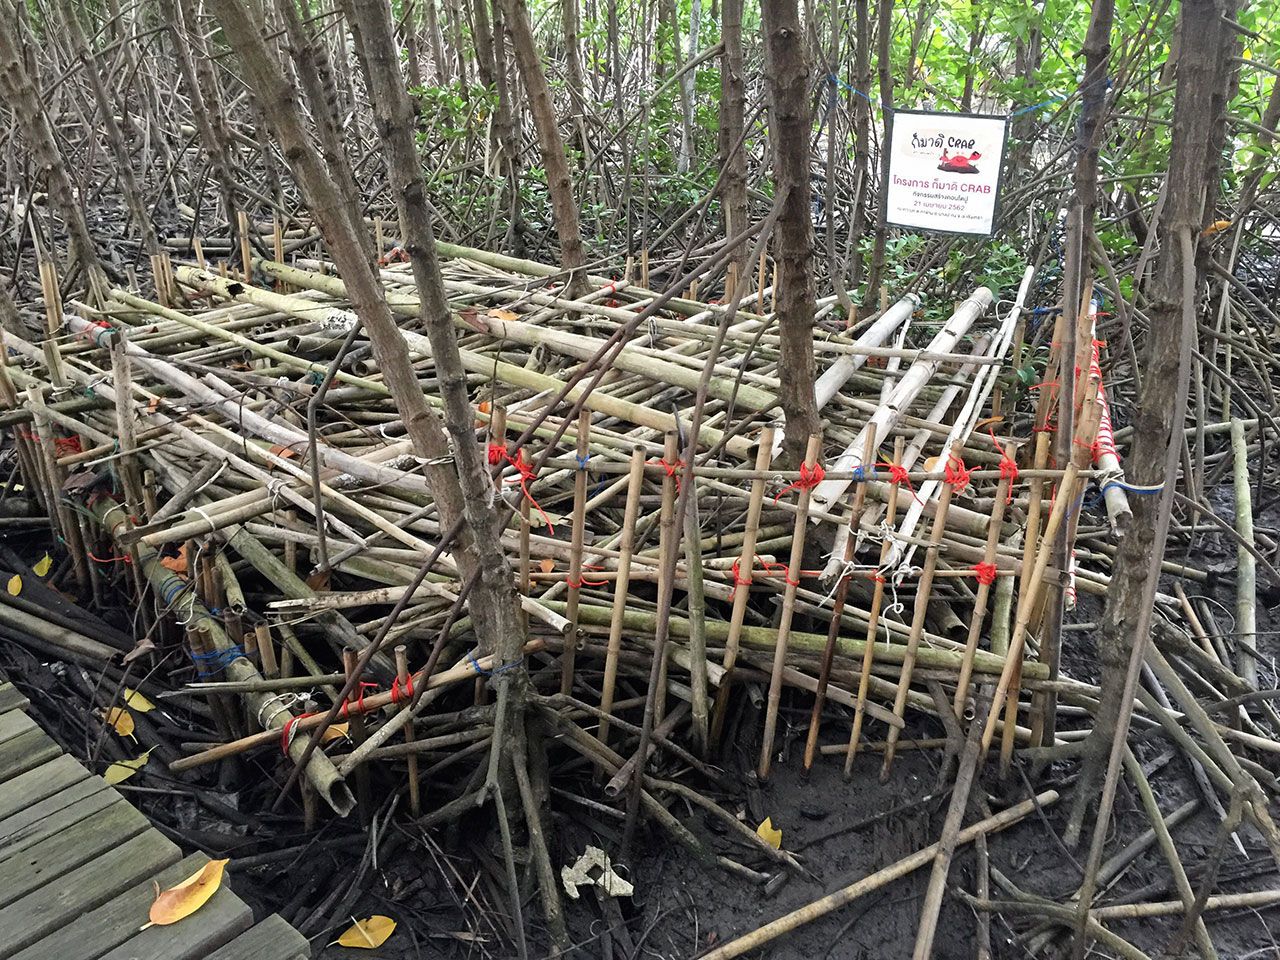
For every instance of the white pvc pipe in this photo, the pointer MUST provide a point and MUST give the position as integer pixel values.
(904, 394)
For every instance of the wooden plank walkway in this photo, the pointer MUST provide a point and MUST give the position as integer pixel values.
(78, 868)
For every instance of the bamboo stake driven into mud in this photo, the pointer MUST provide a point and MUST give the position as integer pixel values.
(793, 573)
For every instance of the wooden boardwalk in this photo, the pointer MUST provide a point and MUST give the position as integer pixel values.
(77, 865)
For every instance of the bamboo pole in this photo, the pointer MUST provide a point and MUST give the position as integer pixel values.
(621, 588)
(873, 620)
(743, 575)
(859, 888)
(924, 589)
(837, 609)
(812, 452)
(579, 524)
(1246, 637)
(1028, 601)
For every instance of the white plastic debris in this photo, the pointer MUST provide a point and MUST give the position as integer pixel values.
(606, 879)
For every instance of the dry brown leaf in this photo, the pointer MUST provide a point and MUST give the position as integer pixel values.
(176, 564)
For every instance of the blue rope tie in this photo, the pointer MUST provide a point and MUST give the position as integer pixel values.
(215, 661)
(861, 473)
(833, 79)
(169, 595)
(496, 671)
(1036, 106)
(582, 461)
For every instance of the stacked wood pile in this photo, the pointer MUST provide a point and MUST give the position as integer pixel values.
(228, 458)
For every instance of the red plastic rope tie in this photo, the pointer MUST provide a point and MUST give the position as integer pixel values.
(738, 579)
(123, 558)
(810, 477)
(67, 445)
(345, 713)
(406, 693)
(527, 472)
(986, 573)
(1008, 467)
(956, 473)
(497, 454)
(669, 468)
(770, 566)
(92, 330)
(286, 732)
(899, 474)
(578, 584)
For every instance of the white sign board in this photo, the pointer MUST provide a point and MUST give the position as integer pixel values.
(944, 171)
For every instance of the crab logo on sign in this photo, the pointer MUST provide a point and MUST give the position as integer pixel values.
(944, 171)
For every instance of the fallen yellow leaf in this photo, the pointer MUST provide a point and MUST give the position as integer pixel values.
(546, 565)
(121, 719)
(368, 934)
(43, 566)
(504, 314)
(188, 896)
(137, 701)
(1216, 227)
(770, 834)
(335, 731)
(122, 770)
(15, 585)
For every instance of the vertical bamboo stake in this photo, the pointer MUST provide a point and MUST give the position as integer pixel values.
(811, 454)
(923, 590)
(266, 650)
(742, 578)
(984, 594)
(873, 621)
(1246, 566)
(22, 440)
(1035, 504)
(52, 293)
(356, 730)
(277, 247)
(149, 492)
(65, 519)
(157, 278)
(1028, 601)
(495, 456)
(402, 684)
(837, 604)
(699, 704)
(575, 552)
(526, 564)
(621, 585)
(668, 543)
(125, 437)
(290, 547)
(287, 655)
(644, 268)
(246, 252)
